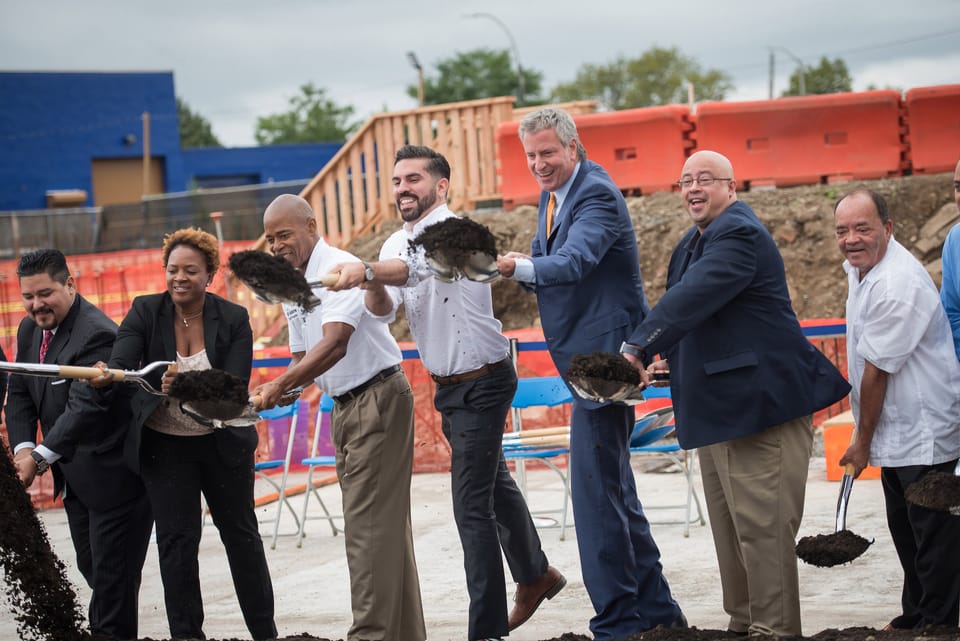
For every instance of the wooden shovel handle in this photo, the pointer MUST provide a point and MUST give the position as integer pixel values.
(75, 371)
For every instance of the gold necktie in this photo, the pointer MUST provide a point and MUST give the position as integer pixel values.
(551, 206)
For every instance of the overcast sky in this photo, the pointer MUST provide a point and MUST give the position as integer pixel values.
(239, 59)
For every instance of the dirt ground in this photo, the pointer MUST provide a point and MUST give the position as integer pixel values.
(800, 219)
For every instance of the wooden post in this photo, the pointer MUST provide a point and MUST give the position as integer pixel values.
(145, 118)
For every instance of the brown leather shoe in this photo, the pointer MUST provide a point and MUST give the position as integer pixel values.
(530, 595)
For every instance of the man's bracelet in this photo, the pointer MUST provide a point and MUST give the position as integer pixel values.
(633, 350)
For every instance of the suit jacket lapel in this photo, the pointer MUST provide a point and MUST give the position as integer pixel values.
(165, 322)
(211, 322)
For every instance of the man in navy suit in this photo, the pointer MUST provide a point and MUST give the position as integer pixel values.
(745, 382)
(584, 267)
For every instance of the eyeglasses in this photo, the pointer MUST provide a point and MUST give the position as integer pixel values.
(956, 185)
(703, 181)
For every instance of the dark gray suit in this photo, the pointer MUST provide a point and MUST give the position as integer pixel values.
(105, 502)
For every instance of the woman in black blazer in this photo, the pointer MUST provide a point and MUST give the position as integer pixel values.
(180, 458)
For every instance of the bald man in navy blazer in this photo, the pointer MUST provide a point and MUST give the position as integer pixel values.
(585, 270)
(745, 382)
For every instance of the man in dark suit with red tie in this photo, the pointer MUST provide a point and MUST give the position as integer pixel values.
(83, 433)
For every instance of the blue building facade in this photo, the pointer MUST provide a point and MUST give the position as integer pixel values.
(55, 128)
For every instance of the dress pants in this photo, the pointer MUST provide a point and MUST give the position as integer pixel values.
(926, 543)
(373, 438)
(754, 488)
(618, 556)
(176, 470)
(111, 546)
(488, 507)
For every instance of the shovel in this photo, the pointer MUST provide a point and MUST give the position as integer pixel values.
(274, 280)
(458, 248)
(937, 491)
(86, 373)
(843, 546)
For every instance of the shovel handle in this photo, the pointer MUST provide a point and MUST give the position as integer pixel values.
(849, 470)
(75, 371)
(327, 280)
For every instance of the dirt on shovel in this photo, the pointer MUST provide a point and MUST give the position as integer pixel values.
(213, 393)
(828, 550)
(608, 366)
(453, 241)
(272, 278)
(937, 490)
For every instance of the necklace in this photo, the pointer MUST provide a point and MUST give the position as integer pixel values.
(189, 318)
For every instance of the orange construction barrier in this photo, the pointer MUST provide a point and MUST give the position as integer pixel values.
(933, 123)
(837, 433)
(807, 139)
(641, 149)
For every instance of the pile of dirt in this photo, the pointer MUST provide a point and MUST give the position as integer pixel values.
(936, 633)
(43, 601)
(799, 218)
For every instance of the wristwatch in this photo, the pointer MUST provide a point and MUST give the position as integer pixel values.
(368, 274)
(42, 465)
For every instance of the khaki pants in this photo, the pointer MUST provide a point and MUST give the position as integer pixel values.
(754, 488)
(373, 437)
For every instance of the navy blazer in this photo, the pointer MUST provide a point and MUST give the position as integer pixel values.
(739, 362)
(589, 289)
(85, 426)
(146, 335)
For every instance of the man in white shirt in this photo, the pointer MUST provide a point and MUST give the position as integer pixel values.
(353, 358)
(461, 344)
(905, 400)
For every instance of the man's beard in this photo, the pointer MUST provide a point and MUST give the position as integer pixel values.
(422, 205)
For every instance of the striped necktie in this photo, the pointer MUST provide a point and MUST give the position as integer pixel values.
(45, 343)
(551, 207)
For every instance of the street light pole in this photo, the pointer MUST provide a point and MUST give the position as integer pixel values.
(521, 83)
(412, 57)
(800, 72)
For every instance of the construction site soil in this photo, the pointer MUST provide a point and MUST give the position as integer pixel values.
(799, 218)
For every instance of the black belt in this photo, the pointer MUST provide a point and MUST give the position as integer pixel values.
(348, 396)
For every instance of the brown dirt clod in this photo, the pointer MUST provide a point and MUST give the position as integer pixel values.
(603, 365)
(452, 241)
(935, 491)
(828, 550)
(220, 394)
(272, 278)
(43, 602)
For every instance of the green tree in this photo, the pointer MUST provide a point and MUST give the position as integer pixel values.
(658, 77)
(313, 117)
(480, 73)
(827, 77)
(195, 130)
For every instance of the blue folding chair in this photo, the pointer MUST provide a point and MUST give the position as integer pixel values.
(262, 467)
(654, 434)
(313, 462)
(548, 391)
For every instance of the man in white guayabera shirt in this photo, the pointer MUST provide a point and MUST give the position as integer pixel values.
(461, 344)
(353, 358)
(905, 400)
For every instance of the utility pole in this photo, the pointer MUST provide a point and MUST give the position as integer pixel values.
(521, 82)
(415, 63)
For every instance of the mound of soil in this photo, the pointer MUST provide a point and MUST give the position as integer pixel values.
(936, 633)
(936, 491)
(799, 218)
(828, 550)
(603, 365)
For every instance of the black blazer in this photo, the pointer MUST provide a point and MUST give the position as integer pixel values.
(146, 335)
(85, 426)
(739, 362)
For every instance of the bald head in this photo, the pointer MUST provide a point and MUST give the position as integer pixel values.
(290, 229)
(707, 186)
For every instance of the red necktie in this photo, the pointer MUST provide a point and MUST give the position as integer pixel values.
(47, 337)
(551, 207)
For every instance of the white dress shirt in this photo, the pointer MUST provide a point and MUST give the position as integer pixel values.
(452, 323)
(895, 321)
(371, 347)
